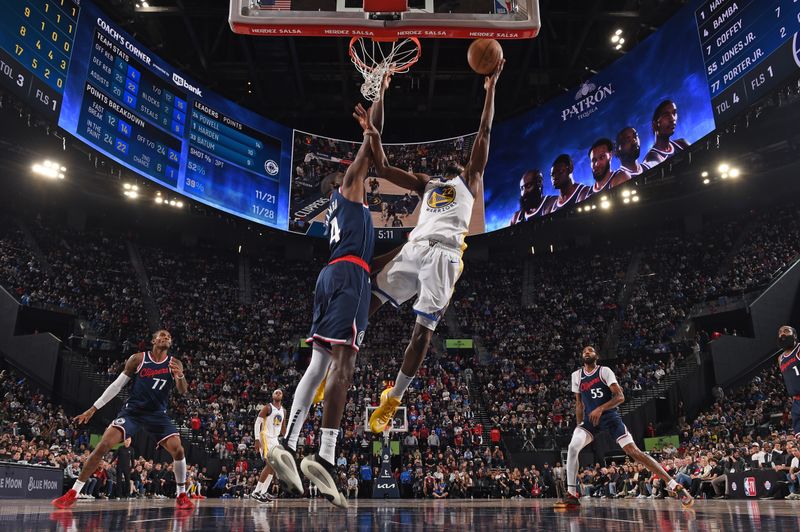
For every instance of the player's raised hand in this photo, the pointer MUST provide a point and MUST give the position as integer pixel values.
(176, 367)
(364, 119)
(491, 80)
(85, 417)
(387, 80)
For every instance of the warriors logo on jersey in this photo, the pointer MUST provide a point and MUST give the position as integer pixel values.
(441, 196)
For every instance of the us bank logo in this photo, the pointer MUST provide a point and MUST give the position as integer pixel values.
(442, 196)
(588, 97)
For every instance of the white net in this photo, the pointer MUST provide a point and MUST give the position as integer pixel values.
(374, 59)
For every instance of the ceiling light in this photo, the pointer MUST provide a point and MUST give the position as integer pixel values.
(580, 209)
(179, 204)
(626, 200)
(605, 204)
(618, 47)
(126, 186)
(633, 192)
(704, 174)
(621, 40)
(618, 32)
(594, 207)
(615, 38)
(635, 199)
(159, 200)
(723, 168)
(626, 193)
(172, 203)
(706, 181)
(734, 172)
(725, 175)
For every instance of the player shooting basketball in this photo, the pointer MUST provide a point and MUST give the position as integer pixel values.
(429, 265)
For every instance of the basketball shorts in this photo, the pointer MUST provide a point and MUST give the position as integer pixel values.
(158, 424)
(610, 422)
(426, 269)
(796, 418)
(341, 305)
(267, 443)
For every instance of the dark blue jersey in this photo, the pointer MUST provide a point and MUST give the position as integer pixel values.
(594, 387)
(151, 386)
(790, 368)
(350, 230)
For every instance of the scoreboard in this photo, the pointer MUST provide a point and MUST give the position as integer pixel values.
(36, 42)
(748, 47)
(142, 112)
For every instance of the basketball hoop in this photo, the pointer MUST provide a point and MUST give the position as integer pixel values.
(376, 58)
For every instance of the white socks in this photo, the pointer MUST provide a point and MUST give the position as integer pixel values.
(78, 486)
(259, 487)
(179, 468)
(267, 483)
(400, 385)
(672, 484)
(304, 393)
(327, 446)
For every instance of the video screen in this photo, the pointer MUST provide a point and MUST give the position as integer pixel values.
(648, 106)
(316, 157)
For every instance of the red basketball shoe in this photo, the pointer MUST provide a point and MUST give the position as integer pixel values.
(66, 500)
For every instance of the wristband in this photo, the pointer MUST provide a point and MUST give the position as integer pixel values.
(182, 377)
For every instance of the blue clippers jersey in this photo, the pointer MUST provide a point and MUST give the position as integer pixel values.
(595, 388)
(151, 386)
(790, 368)
(350, 230)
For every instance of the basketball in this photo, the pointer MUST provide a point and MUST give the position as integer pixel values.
(483, 55)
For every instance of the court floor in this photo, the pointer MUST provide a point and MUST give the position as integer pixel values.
(454, 515)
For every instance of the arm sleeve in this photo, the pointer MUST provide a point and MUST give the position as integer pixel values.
(608, 376)
(576, 384)
(257, 427)
(112, 391)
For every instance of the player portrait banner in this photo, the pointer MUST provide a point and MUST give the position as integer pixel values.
(667, 66)
(29, 482)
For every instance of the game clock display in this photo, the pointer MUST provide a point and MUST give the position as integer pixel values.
(140, 111)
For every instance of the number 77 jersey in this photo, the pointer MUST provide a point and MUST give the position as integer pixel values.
(152, 384)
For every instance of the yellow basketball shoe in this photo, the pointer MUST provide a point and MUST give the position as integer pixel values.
(319, 395)
(384, 413)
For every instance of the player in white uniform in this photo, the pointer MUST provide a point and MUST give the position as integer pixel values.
(429, 265)
(270, 425)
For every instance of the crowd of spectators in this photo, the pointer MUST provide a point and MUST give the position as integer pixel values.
(531, 316)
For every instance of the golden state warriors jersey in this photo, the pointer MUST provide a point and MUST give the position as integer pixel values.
(445, 213)
(272, 425)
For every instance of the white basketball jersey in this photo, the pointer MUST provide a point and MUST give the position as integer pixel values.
(445, 214)
(272, 426)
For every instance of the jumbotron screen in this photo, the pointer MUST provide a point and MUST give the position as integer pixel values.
(70, 63)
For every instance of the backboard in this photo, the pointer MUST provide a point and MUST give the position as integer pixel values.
(399, 422)
(387, 19)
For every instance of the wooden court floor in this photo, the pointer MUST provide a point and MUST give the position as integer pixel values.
(403, 515)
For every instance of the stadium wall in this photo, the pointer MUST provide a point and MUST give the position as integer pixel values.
(736, 355)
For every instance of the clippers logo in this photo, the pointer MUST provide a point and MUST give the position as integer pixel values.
(442, 197)
(148, 372)
(180, 82)
(750, 486)
(360, 337)
(119, 421)
(587, 99)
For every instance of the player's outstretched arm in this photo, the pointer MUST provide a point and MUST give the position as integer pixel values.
(401, 178)
(376, 109)
(113, 389)
(176, 367)
(353, 182)
(473, 172)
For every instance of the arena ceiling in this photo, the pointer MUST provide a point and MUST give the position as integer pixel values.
(310, 84)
